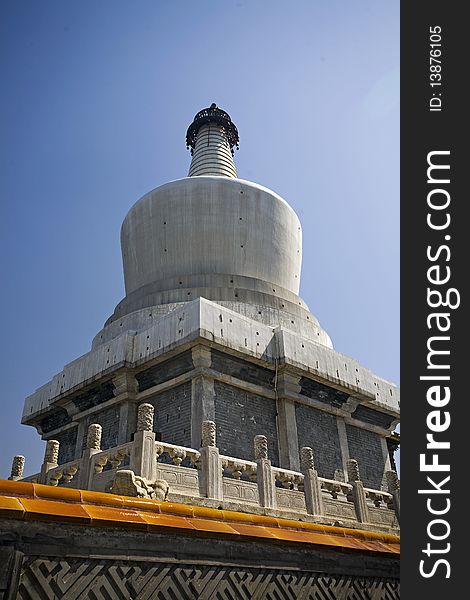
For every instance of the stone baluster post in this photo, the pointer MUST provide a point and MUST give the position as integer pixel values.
(312, 487)
(51, 457)
(93, 446)
(264, 473)
(17, 467)
(393, 484)
(143, 457)
(210, 471)
(359, 496)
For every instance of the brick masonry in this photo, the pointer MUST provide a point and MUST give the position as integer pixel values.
(173, 415)
(54, 420)
(366, 448)
(318, 430)
(322, 393)
(241, 369)
(67, 440)
(369, 415)
(164, 371)
(94, 396)
(241, 415)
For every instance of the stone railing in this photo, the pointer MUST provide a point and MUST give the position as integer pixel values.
(111, 459)
(65, 473)
(177, 454)
(237, 467)
(205, 476)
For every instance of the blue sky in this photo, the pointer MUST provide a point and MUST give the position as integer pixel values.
(96, 98)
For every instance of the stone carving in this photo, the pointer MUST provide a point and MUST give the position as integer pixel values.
(353, 470)
(159, 449)
(378, 498)
(290, 480)
(114, 456)
(339, 509)
(65, 472)
(208, 433)
(358, 494)
(100, 463)
(51, 454)
(292, 500)
(93, 441)
(234, 467)
(127, 483)
(145, 417)
(393, 483)
(160, 489)
(339, 475)
(306, 459)
(332, 487)
(17, 467)
(177, 455)
(261, 447)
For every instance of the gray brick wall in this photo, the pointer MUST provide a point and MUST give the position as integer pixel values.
(240, 416)
(318, 430)
(365, 447)
(164, 371)
(241, 369)
(67, 440)
(173, 414)
(54, 420)
(322, 393)
(375, 417)
(93, 396)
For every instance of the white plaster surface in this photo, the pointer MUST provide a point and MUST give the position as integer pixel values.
(211, 225)
(212, 154)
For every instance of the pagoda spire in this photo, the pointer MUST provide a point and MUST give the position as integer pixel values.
(212, 137)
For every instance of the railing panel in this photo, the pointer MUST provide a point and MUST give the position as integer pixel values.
(177, 454)
(291, 500)
(381, 516)
(63, 474)
(241, 491)
(103, 480)
(238, 468)
(114, 456)
(339, 509)
(182, 480)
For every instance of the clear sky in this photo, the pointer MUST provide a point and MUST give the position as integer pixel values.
(96, 98)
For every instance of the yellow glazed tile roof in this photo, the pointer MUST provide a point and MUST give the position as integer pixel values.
(32, 501)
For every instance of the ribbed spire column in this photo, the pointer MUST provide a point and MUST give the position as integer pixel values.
(212, 154)
(211, 137)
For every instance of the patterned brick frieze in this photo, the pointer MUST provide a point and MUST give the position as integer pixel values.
(100, 579)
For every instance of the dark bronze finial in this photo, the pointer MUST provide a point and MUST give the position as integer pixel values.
(213, 114)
